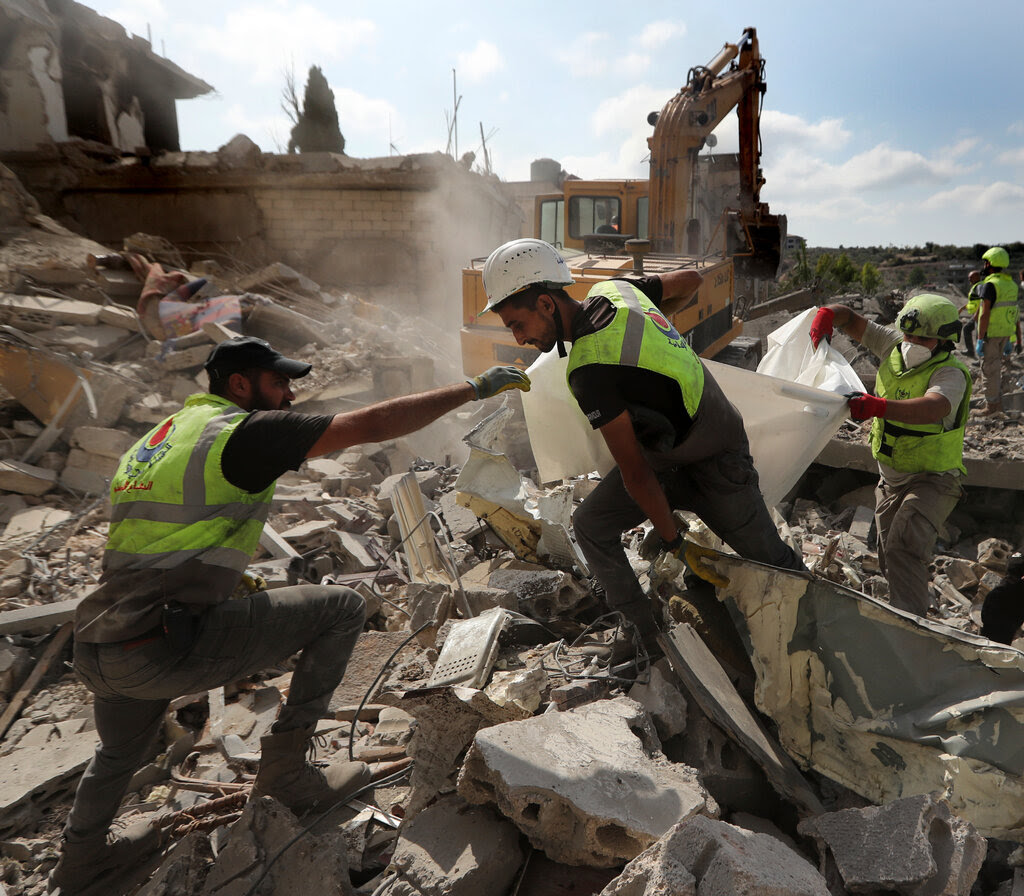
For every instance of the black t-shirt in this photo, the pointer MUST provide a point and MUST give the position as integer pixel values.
(604, 391)
(266, 444)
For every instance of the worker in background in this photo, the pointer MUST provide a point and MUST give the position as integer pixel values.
(1002, 612)
(919, 414)
(677, 442)
(971, 306)
(997, 322)
(189, 501)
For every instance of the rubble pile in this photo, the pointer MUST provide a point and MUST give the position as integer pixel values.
(523, 740)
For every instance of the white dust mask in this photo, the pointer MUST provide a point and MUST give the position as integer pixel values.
(914, 355)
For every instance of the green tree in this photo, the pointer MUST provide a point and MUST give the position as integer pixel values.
(916, 277)
(870, 279)
(843, 271)
(316, 128)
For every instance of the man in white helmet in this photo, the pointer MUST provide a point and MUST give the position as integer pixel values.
(919, 414)
(676, 439)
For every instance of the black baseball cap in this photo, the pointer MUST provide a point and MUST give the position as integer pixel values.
(244, 352)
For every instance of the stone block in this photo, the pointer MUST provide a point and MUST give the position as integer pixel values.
(25, 479)
(911, 845)
(105, 465)
(81, 479)
(541, 593)
(587, 786)
(312, 863)
(102, 440)
(962, 573)
(994, 554)
(35, 520)
(707, 856)
(452, 849)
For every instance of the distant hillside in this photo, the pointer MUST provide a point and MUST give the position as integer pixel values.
(842, 268)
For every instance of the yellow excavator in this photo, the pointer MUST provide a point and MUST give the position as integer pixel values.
(606, 229)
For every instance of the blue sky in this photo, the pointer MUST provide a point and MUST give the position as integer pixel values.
(884, 123)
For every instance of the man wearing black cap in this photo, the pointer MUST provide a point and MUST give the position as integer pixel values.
(189, 501)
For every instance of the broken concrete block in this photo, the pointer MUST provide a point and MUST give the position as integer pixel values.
(523, 687)
(860, 526)
(994, 554)
(355, 550)
(579, 692)
(430, 604)
(707, 856)
(312, 863)
(35, 313)
(386, 489)
(541, 593)
(446, 720)
(35, 520)
(25, 479)
(662, 699)
(462, 524)
(29, 778)
(82, 479)
(961, 573)
(452, 849)
(911, 845)
(482, 598)
(102, 440)
(587, 786)
(104, 465)
(98, 341)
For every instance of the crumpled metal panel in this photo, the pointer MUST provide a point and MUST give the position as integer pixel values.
(881, 701)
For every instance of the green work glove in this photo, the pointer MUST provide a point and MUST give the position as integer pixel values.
(498, 379)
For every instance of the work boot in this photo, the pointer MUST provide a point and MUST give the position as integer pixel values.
(991, 409)
(303, 786)
(82, 862)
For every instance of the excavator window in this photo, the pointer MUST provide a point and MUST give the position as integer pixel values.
(552, 221)
(587, 214)
(643, 205)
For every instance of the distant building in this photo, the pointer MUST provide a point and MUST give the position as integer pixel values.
(794, 242)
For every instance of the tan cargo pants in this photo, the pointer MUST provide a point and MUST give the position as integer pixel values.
(909, 518)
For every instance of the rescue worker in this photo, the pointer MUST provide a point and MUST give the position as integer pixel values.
(997, 322)
(676, 439)
(919, 413)
(1002, 611)
(189, 501)
(971, 307)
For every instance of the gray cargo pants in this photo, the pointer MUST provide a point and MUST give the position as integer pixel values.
(908, 518)
(134, 681)
(711, 473)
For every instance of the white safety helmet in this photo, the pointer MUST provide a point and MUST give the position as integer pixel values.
(520, 263)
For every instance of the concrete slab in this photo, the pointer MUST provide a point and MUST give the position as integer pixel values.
(712, 858)
(588, 786)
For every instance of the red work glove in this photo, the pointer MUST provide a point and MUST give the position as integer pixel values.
(821, 326)
(864, 407)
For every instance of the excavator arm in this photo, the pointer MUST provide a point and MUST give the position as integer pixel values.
(734, 78)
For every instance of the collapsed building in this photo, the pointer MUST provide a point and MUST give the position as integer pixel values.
(799, 736)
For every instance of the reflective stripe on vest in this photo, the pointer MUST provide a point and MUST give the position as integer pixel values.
(171, 503)
(973, 300)
(640, 336)
(1002, 317)
(924, 447)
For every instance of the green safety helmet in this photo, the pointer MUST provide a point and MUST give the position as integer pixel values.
(931, 317)
(998, 257)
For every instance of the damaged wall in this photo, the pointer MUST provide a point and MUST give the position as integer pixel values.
(405, 223)
(67, 72)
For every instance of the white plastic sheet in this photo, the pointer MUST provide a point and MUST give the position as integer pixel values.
(788, 424)
(791, 356)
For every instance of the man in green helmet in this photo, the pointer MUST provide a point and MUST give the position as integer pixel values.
(997, 323)
(189, 501)
(919, 414)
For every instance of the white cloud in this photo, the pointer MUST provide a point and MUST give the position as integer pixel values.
(590, 54)
(657, 34)
(783, 130)
(978, 199)
(1014, 157)
(139, 18)
(476, 64)
(1017, 128)
(628, 111)
(261, 40)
